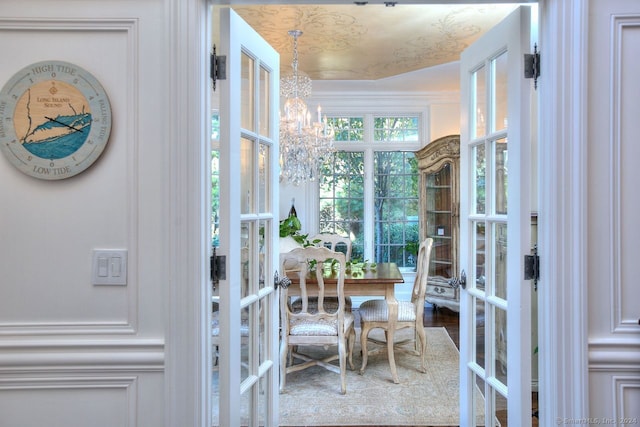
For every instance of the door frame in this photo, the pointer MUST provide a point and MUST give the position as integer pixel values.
(562, 211)
(562, 226)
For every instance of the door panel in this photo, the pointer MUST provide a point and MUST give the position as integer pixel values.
(495, 325)
(248, 344)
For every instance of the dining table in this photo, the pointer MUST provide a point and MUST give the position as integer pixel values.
(367, 281)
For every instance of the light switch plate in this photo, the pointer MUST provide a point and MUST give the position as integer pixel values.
(109, 267)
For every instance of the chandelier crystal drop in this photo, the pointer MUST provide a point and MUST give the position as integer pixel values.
(304, 144)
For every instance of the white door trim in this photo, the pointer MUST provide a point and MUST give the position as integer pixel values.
(562, 236)
(187, 246)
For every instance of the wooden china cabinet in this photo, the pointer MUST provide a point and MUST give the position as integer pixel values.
(439, 168)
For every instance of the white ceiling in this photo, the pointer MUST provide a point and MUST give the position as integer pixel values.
(404, 45)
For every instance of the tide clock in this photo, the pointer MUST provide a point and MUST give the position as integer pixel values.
(55, 120)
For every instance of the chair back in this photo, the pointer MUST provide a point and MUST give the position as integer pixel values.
(422, 274)
(335, 242)
(299, 262)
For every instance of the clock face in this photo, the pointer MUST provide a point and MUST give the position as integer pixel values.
(55, 120)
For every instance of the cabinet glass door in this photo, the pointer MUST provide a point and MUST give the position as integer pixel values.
(439, 189)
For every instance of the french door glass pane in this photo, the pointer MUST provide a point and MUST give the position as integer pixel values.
(500, 260)
(247, 90)
(501, 410)
(480, 260)
(479, 171)
(500, 351)
(501, 175)
(479, 103)
(245, 409)
(245, 257)
(246, 175)
(245, 339)
(262, 332)
(265, 100)
(479, 401)
(262, 401)
(499, 66)
(263, 178)
(265, 230)
(479, 321)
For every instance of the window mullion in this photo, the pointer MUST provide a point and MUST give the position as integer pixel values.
(369, 215)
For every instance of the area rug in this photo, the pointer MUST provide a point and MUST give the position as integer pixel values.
(312, 396)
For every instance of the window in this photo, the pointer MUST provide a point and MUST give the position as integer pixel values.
(369, 189)
(395, 206)
(342, 199)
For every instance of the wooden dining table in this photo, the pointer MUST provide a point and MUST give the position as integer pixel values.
(378, 281)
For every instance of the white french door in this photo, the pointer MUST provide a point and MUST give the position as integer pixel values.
(248, 312)
(495, 316)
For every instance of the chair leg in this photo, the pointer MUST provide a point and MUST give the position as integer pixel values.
(363, 344)
(342, 357)
(391, 355)
(284, 350)
(422, 337)
(351, 341)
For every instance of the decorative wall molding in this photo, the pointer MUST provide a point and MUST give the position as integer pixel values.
(608, 354)
(333, 102)
(622, 72)
(127, 324)
(39, 388)
(626, 406)
(65, 382)
(69, 24)
(18, 356)
(66, 328)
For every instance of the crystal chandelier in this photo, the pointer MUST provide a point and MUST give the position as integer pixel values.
(304, 144)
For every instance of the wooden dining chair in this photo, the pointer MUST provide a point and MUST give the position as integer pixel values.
(375, 314)
(324, 327)
(337, 243)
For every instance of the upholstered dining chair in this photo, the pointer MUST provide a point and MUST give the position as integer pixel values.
(375, 314)
(322, 326)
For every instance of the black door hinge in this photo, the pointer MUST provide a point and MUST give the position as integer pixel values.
(218, 67)
(532, 66)
(532, 267)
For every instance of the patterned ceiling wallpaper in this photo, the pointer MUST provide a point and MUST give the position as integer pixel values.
(348, 42)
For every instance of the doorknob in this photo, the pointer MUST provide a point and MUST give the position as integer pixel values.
(462, 281)
(278, 280)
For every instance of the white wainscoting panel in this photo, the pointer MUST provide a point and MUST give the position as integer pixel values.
(613, 317)
(68, 402)
(627, 399)
(625, 150)
(54, 226)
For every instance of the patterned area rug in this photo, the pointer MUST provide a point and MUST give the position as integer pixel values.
(312, 396)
